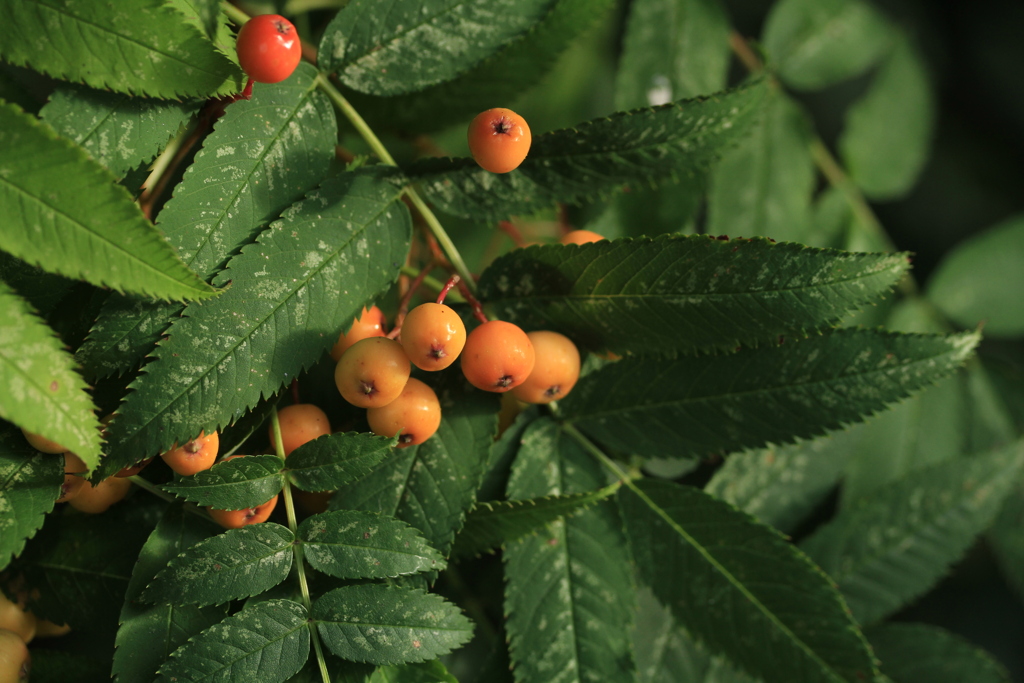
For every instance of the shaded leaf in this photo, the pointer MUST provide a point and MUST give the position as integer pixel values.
(921, 652)
(234, 484)
(427, 672)
(335, 460)
(29, 484)
(56, 666)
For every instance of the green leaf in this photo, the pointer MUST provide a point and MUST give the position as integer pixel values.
(676, 140)
(978, 281)
(236, 183)
(416, 44)
(389, 625)
(267, 642)
(39, 388)
(491, 524)
(679, 407)
(83, 225)
(282, 311)
(57, 666)
(118, 131)
(235, 564)
(234, 484)
(349, 544)
(764, 185)
(749, 594)
(502, 454)
(880, 565)
(682, 292)
(148, 49)
(427, 672)
(335, 460)
(921, 652)
(569, 589)
(817, 43)
(1006, 538)
(888, 132)
(29, 484)
(148, 634)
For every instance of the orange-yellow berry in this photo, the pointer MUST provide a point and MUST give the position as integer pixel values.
(98, 498)
(373, 372)
(414, 416)
(195, 456)
(555, 372)
(300, 424)
(15, 660)
(433, 336)
(498, 356)
(41, 443)
(499, 140)
(236, 519)
(580, 237)
(371, 323)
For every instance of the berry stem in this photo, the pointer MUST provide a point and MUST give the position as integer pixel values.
(512, 231)
(295, 391)
(403, 305)
(478, 310)
(452, 281)
(430, 282)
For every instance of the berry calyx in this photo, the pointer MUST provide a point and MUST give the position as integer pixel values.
(555, 372)
(195, 456)
(433, 336)
(99, 498)
(236, 519)
(370, 323)
(498, 356)
(268, 48)
(300, 424)
(373, 372)
(415, 415)
(499, 140)
(580, 237)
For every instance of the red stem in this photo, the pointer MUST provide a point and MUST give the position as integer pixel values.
(295, 391)
(478, 310)
(452, 281)
(403, 306)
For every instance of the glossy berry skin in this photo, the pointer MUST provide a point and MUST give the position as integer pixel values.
(197, 455)
(268, 48)
(300, 424)
(72, 484)
(555, 372)
(415, 415)
(499, 140)
(498, 356)
(433, 336)
(373, 372)
(371, 323)
(580, 237)
(236, 519)
(15, 661)
(41, 443)
(99, 498)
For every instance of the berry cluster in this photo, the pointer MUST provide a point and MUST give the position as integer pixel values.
(18, 627)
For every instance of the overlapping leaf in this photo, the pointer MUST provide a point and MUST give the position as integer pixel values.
(597, 157)
(29, 484)
(306, 276)
(330, 462)
(234, 484)
(921, 652)
(684, 406)
(682, 292)
(748, 594)
(147, 49)
(426, 672)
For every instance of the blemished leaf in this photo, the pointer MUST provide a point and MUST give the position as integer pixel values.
(119, 131)
(150, 50)
(911, 653)
(267, 642)
(426, 672)
(282, 311)
(978, 281)
(676, 140)
(29, 484)
(888, 132)
(682, 292)
(330, 462)
(881, 566)
(489, 525)
(749, 594)
(569, 588)
(238, 182)
(817, 43)
(515, 68)
(148, 634)
(389, 625)
(236, 564)
(416, 44)
(764, 185)
(351, 544)
(39, 388)
(234, 484)
(502, 454)
(686, 406)
(56, 666)
(85, 226)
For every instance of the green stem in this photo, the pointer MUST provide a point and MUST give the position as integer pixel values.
(234, 14)
(601, 456)
(433, 283)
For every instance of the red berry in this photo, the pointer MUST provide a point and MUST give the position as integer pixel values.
(499, 140)
(268, 48)
(498, 356)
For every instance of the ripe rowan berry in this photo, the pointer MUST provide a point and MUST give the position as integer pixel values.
(499, 140)
(236, 519)
(498, 356)
(372, 372)
(433, 336)
(195, 456)
(14, 617)
(370, 323)
(580, 237)
(15, 661)
(415, 415)
(555, 372)
(73, 484)
(41, 443)
(98, 498)
(132, 470)
(268, 48)
(300, 423)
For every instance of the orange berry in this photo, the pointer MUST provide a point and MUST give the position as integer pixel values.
(370, 323)
(498, 356)
(372, 372)
(433, 336)
(13, 617)
(415, 415)
(300, 423)
(197, 455)
(555, 372)
(15, 661)
(580, 237)
(499, 140)
(236, 519)
(98, 498)
(72, 484)
(41, 443)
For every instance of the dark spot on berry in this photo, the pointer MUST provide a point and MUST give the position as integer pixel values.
(504, 381)
(405, 438)
(553, 390)
(367, 388)
(502, 126)
(437, 352)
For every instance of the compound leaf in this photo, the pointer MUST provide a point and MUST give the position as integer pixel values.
(29, 484)
(330, 462)
(388, 625)
(426, 672)
(682, 292)
(921, 652)
(234, 484)
(236, 564)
